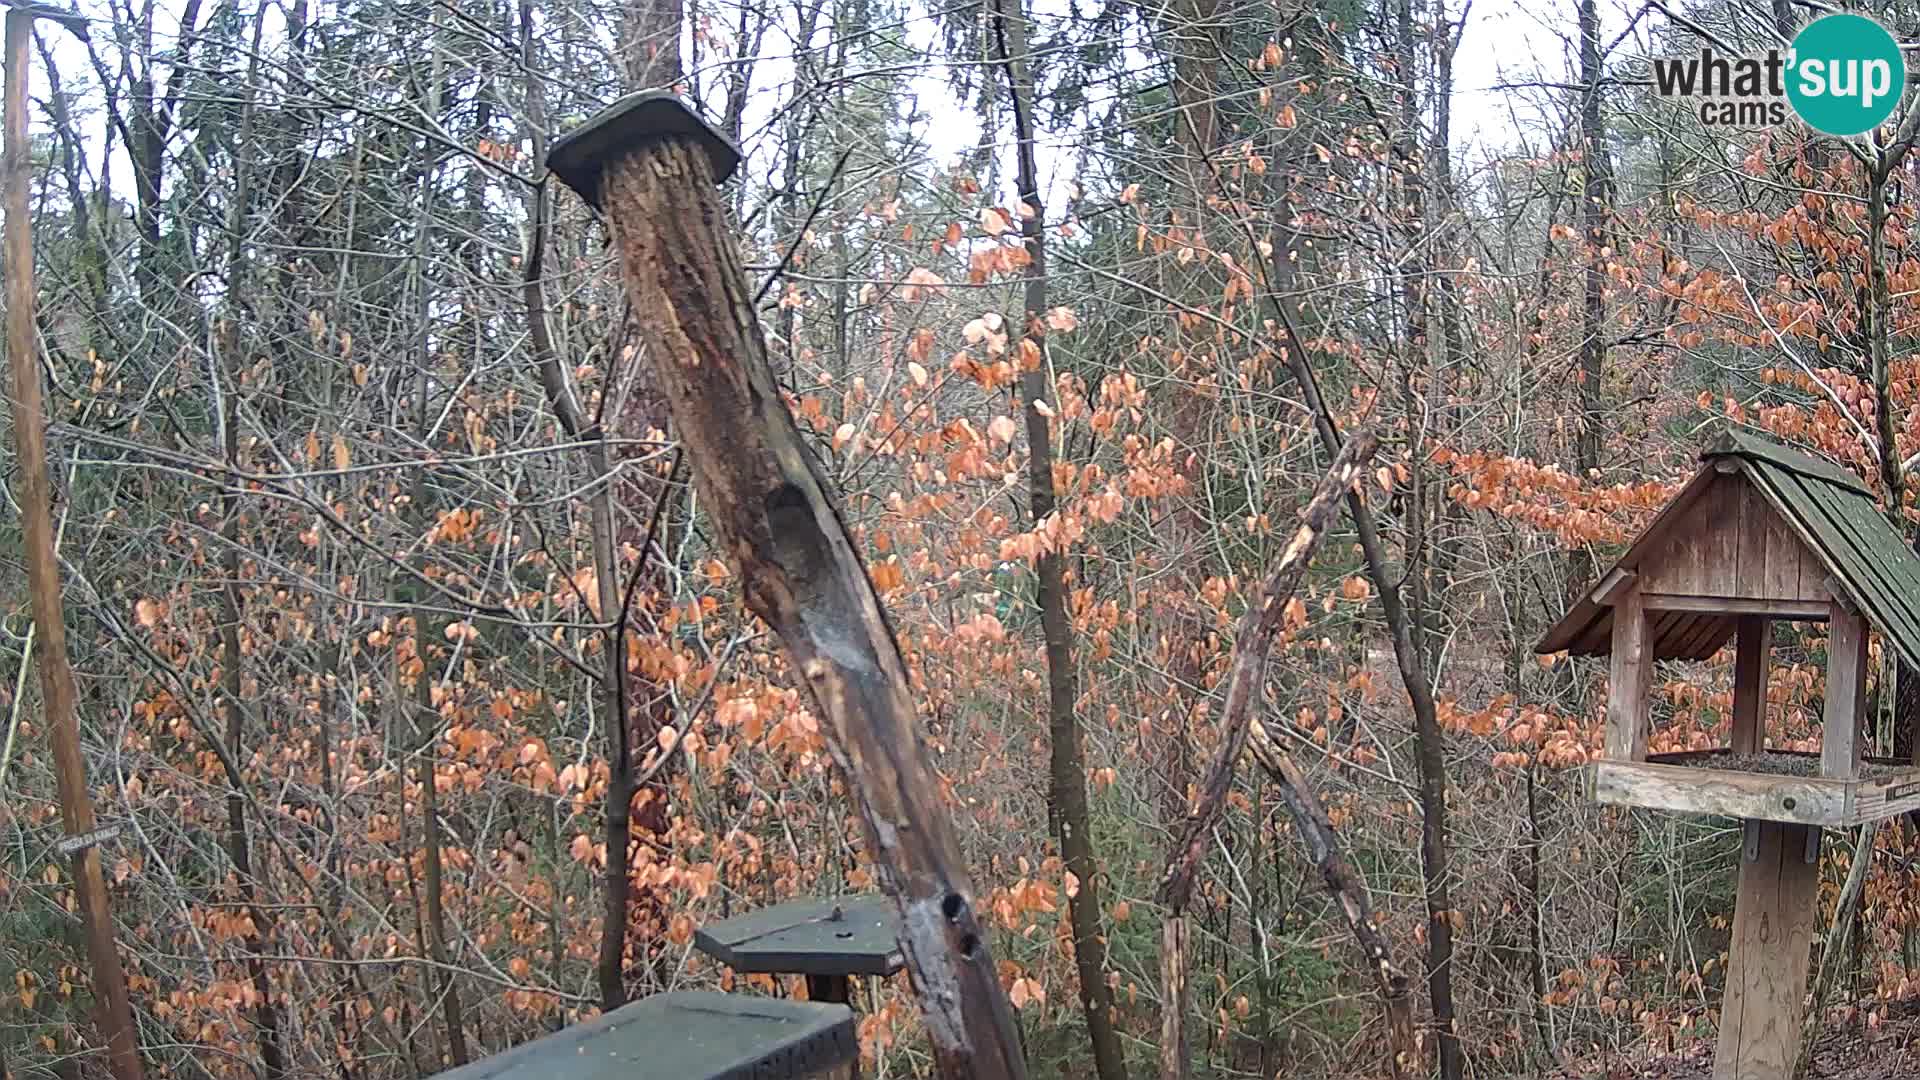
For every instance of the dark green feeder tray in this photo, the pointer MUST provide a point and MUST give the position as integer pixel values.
(826, 940)
(581, 155)
(687, 1035)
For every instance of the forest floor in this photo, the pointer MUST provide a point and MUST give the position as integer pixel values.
(1891, 1052)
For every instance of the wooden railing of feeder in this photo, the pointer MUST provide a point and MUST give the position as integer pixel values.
(650, 165)
(1760, 534)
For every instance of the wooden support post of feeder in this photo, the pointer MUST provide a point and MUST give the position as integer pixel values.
(650, 165)
(1778, 893)
(1773, 914)
(1753, 646)
(1779, 888)
(1632, 676)
(1846, 705)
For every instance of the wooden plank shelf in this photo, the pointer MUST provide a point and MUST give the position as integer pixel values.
(828, 941)
(1828, 802)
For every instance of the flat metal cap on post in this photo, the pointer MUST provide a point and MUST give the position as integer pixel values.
(582, 155)
(851, 935)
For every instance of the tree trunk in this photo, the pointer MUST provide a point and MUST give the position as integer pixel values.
(1846, 911)
(1414, 676)
(1878, 319)
(650, 43)
(774, 518)
(618, 711)
(232, 663)
(1067, 791)
(1595, 195)
(1878, 313)
(35, 495)
(1419, 617)
(635, 709)
(426, 716)
(613, 714)
(1174, 995)
(266, 1014)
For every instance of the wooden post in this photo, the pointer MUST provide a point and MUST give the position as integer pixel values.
(1765, 1004)
(43, 566)
(1846, 693)
(1753, 643)
(1632, 678)
(834, 988)
(651, 165)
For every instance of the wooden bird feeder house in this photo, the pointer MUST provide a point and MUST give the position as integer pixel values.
(1761, 533)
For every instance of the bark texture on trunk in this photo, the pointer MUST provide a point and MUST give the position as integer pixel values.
(650, 43)
(775, 518)
(1595, 195)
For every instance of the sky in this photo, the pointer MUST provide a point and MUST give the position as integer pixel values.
(1507, 43)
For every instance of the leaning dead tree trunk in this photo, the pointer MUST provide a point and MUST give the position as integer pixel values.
(1258, 626)
(1346, 888)
(652, 166)
(81, 843)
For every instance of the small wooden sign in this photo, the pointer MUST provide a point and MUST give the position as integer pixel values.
(1896, 792)
(69, 846)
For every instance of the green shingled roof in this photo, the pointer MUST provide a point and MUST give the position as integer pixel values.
(1834, 512)
(1831, 510)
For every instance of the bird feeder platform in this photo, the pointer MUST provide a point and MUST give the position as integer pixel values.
(1676, 782)
(687, 1035)
(1760, 534)
(828, 941)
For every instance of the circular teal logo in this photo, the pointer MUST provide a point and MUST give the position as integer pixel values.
(1846, 74)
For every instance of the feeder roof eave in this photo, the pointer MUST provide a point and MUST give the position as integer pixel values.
(1587, 612)
(1829, 509)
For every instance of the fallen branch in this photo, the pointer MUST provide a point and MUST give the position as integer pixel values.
(1323, 844)
(1258, 626)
